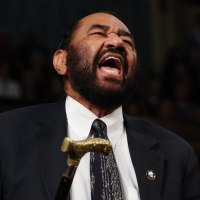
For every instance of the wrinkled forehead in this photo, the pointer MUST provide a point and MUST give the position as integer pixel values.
(101, 19)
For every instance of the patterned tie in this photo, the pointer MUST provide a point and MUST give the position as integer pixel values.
(104, 175)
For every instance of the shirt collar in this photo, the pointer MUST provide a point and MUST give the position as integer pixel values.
(80, 121)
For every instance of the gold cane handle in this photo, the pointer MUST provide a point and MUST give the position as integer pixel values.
(77, 149)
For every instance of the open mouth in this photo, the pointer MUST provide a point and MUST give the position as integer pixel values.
(112, 64)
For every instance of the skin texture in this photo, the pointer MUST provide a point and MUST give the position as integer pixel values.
(96, 34)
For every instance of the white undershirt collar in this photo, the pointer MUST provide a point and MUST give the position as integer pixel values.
(80, 120)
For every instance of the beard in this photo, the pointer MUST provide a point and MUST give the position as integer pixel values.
(82, 77)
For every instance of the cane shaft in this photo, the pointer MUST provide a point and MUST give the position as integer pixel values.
(65, 183)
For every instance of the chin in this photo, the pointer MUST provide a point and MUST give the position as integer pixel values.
(112, 84)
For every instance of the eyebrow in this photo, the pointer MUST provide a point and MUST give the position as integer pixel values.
(121, 32)
(99, 26)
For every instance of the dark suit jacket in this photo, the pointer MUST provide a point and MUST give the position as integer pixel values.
(31, 162)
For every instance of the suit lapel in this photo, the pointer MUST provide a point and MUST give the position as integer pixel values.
(51, 130)
(148, 164)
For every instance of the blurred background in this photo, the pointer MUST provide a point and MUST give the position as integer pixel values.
(167, 34)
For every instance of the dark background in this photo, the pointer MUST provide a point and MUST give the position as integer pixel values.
(167, 34)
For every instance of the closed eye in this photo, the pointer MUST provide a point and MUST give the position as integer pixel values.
(98, 33)
(129, 43)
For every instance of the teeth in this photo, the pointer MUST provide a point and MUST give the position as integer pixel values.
(112, 57)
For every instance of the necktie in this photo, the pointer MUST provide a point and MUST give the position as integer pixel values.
(104, 175)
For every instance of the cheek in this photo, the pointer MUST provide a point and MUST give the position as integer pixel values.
(94, 47)
(88, 51)
(132, 61)
(85, 52)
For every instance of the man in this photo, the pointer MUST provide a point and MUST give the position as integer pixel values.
(97, 61)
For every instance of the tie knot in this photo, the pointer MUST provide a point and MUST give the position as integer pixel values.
(99, 129)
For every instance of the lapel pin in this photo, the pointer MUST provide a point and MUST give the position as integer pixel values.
(150, 175)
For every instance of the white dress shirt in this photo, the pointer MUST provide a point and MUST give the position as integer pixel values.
(79, 124)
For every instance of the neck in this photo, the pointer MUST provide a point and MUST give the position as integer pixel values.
(98, 111)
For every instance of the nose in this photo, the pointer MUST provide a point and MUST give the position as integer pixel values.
(113, 40)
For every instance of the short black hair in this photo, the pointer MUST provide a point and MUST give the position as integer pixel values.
(67, 36)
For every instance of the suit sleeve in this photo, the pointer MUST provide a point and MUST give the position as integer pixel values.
(1, 185)
(1, 175)
(191, 182)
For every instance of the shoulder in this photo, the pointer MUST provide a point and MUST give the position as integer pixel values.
(26, 117)
(147, 129)
(26, 111)
(22, 123)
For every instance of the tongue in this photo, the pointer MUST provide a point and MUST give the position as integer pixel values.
(110, 69)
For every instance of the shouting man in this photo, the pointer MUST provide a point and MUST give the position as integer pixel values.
(97, 60)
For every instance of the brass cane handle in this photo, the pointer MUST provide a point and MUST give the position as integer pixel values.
(77, 149)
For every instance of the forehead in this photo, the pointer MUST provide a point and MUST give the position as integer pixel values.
(102, 19)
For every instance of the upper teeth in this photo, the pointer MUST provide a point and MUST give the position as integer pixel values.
(112, 57)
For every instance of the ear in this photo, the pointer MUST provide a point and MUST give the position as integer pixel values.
(59, 62)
